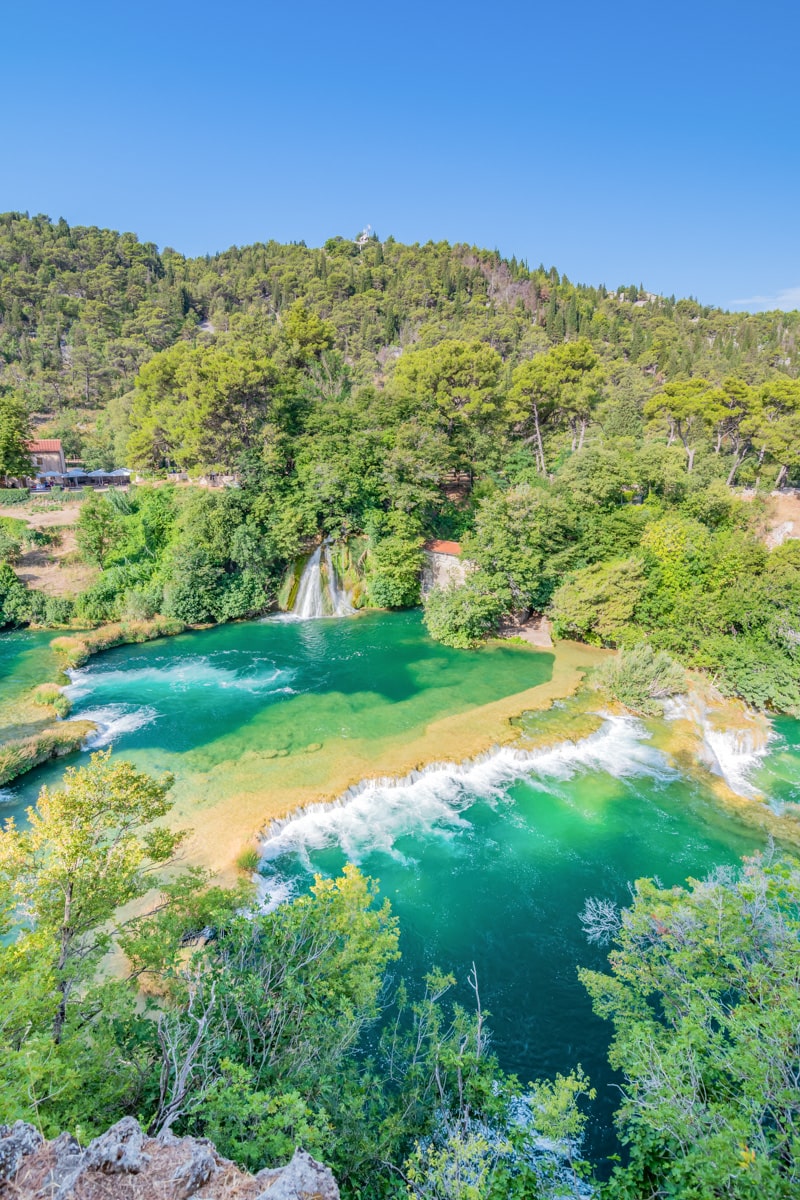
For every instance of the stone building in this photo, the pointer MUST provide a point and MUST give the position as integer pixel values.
(47, 455)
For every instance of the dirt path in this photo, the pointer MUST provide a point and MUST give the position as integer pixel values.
(782, 518)
(47, 568)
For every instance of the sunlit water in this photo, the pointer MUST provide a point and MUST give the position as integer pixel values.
(490, 863)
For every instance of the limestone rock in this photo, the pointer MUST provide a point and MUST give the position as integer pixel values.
(303, 1179)
(17, 1141)
(124, 1163)
(118, 1151)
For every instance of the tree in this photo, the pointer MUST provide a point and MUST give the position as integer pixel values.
(454, 383)
(199, 406)
(89, 848)
(734, 403)
(704, 996)
(15, 600)
(778, 423)
(98, 530)
(518, 535)
(15, 458)
(596, 604)
(395, 563)
(306, 336)
(691, 407)
(564, 381)
(465, 614)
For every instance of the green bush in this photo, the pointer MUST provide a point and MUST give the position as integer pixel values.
(464, 615)
(394, 567)
(15, 603)
(100, 602)
(640, 677)
(58, 610)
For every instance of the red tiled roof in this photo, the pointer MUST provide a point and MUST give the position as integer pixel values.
(444, 547)
(44, 446)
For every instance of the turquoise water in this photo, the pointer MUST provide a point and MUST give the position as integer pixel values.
(258, 707)
(25, 660)
(487, 867)
(488, 864)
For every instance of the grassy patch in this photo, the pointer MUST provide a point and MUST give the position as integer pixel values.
(17, 757)
(50, 694)
(248, 859)
(74, 651)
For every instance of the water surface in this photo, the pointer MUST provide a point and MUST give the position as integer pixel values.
(488, 864)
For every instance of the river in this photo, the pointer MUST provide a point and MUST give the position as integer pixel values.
(489, 863)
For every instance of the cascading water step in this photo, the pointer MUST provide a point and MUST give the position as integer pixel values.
(319, 593)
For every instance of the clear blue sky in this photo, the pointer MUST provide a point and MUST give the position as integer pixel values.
(626, 142)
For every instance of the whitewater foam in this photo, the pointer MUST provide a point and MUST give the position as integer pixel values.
(198, 671)
(113, 721)
(732, 754)
(377, 813)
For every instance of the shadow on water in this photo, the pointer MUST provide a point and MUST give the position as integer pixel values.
(204, 686)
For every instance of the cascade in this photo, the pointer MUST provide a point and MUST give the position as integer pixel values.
(340, 597)
(319, 593)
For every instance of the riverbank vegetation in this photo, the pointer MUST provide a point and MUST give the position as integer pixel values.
(583, 445)
(265, 1030)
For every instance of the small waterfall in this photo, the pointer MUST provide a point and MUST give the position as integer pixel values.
(340, 598)
(732, 746)
(319, 593)
(310, 602)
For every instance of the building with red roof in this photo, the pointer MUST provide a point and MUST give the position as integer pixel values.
(47, 455)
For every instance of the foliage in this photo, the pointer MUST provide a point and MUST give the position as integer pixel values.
(639, 677)
(51, 695)
(581, 443)
(15, 603)
(395, 561)
(463, 615)
(15, 458)
(83, 855)
(14, 496)
(596, 604)
(705, 1003)
(18, 755)
(98, 530)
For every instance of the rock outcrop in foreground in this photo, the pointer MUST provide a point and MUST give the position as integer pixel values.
(123, 1164)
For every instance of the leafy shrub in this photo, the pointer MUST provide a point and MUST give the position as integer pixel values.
(640, 677)
(141, 604)
(58, 610)
(464, 615)
(100, 602)
(596, 604)
(394, 567)
(10, 547)
(15, 605)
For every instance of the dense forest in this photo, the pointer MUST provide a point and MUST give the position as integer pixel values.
(588, 447)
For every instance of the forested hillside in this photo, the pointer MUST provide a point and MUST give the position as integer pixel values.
(82, 308)
(586, 446)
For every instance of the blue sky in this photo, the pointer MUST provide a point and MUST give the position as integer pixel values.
(624, 142)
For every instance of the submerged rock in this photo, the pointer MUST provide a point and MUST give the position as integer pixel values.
(124, 1162)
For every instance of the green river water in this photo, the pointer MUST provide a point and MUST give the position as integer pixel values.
(488, 863)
